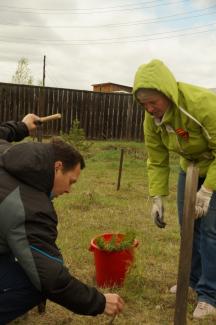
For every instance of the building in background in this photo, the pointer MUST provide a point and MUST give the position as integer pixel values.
(110, 87)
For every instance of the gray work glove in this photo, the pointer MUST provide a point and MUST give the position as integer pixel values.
(203, 198)
(157, 212)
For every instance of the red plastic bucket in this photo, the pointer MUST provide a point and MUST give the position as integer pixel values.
(111, 267)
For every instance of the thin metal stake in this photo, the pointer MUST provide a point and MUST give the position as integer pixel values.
(120, 169)
(39, 131)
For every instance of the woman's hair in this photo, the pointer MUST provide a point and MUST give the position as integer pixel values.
(147, 91)
(67, 154)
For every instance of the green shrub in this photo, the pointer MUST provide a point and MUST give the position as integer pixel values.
(76, 137)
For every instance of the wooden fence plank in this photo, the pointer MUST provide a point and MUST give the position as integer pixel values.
(101, 115)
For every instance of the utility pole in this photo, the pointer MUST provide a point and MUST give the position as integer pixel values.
(44, 70)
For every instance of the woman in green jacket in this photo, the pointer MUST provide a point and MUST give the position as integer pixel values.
(182, 118)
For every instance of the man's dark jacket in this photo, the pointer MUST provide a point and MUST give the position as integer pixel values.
(13, 131)
(28, 226)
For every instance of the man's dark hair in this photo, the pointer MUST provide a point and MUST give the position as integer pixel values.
(66, 153)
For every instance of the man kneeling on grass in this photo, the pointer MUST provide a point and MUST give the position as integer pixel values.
(31, 265)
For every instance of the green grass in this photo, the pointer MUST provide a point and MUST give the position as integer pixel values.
(94, 207)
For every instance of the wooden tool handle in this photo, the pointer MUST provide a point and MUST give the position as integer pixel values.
(185, 255)
(50, 118)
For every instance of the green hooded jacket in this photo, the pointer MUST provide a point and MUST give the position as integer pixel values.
(187, 128)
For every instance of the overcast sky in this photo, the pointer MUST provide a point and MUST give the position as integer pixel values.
(87, 42)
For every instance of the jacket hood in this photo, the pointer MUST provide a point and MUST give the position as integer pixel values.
(155, 75)
(32, 164)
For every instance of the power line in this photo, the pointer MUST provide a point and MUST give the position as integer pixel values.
(146, 40)
(110, 40)
(90, 11)
(179, 16)
(135, 41)
(81, 9)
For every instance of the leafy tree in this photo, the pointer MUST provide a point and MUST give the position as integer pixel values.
(23, 73)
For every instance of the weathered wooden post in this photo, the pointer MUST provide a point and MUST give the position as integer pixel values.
(185, 255)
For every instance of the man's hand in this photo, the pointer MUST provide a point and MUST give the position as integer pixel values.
(157, 212)
(114, 304)
(203, 198)
(30, 120)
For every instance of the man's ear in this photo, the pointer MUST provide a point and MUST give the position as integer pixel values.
(58, 165)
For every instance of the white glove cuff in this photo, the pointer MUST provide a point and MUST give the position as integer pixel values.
(205, 190)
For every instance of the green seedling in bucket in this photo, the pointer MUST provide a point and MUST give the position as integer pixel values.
(113, 255)
(116, 243)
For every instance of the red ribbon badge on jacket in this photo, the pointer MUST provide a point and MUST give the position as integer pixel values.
(182, 133)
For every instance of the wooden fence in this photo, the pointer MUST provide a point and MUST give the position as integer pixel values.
(101, 115)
